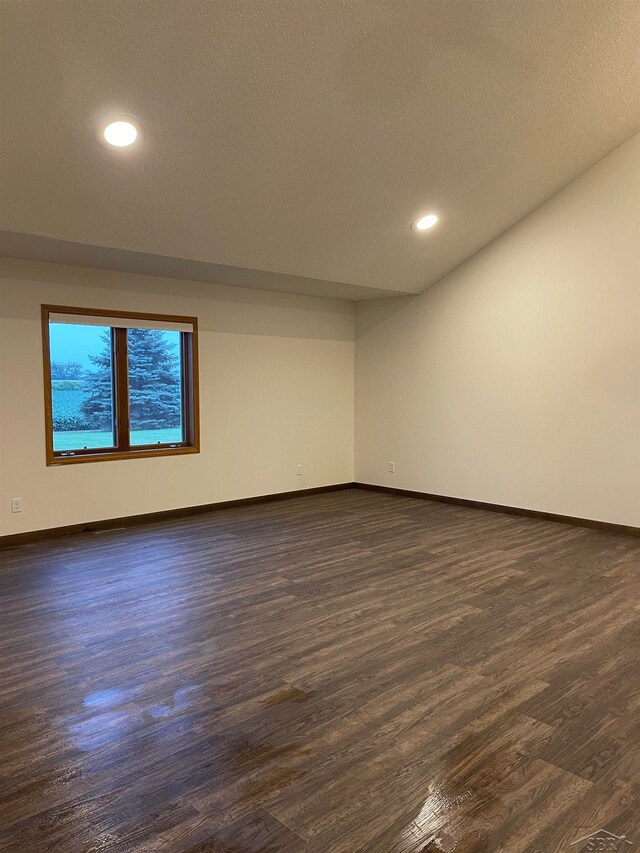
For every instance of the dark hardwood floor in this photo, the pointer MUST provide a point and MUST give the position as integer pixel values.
(350, 671)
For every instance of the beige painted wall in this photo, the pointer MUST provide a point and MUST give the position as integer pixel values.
(516, 379)
(276, 390)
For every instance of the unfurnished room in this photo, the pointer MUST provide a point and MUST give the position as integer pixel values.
(319, 426)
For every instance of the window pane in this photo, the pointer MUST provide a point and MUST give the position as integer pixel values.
(155, 387)
(81, 386)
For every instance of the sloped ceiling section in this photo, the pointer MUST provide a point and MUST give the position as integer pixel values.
(290, 144)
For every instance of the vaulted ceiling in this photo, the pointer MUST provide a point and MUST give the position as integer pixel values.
(289, 144)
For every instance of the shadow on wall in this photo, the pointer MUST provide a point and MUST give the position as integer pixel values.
(219, 307)
(373, 313)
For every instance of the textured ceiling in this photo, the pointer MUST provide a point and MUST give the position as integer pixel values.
(302, 137)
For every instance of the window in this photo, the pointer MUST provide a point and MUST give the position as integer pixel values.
(118, 385)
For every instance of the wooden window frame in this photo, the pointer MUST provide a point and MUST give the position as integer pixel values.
(123, 450)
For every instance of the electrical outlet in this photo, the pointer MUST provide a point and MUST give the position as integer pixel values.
(392, 467)
(16, 504)
(299, 470)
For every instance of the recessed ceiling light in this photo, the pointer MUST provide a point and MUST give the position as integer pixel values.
(425, 222)
(120, 133)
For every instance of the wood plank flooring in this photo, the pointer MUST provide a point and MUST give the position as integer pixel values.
(350, 672)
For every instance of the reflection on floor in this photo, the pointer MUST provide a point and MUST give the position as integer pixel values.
(345, 672)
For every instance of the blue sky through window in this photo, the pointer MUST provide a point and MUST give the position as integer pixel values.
(69, 342)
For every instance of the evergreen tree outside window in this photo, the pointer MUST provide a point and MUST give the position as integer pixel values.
(155, 395)
(96, 404)
(119, 385)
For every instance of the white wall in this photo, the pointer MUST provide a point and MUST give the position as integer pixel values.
(276, 390)
(516, 379)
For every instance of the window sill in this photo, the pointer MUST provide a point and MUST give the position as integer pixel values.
(54, 459)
